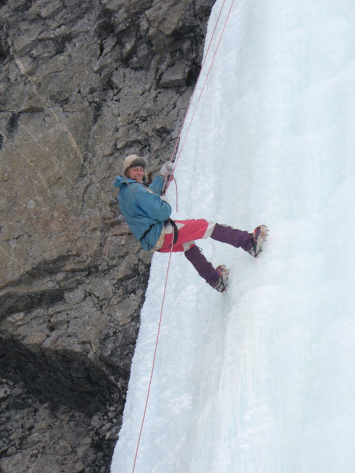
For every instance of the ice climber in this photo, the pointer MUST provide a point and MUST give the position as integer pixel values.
(147, 213)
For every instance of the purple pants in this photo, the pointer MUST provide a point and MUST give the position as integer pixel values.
(192, 230)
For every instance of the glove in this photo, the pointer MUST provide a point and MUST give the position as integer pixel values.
(164, 198)
(167, 168)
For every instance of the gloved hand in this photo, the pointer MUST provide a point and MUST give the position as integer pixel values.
(164, 198)
(167, 168)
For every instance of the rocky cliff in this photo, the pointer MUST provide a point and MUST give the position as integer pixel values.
(83, 83)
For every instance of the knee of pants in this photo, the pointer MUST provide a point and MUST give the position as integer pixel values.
(188, 245)
(209, 229)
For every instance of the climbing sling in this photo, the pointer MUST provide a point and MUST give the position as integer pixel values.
(167, 222)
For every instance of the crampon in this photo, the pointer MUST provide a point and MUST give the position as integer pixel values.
(223, 278)
(259, 236)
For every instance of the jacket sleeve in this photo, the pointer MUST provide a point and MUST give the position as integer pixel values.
(157, 184)
(152, 204)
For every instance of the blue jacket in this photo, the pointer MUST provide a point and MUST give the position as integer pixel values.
(143, 209)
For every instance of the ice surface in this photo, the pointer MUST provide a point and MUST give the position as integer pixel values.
(260, 379)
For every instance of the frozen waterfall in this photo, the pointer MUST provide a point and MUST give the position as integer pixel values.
(260, 379)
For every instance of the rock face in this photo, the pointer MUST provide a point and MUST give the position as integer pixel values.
(83, 83)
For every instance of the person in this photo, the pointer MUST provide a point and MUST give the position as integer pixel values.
(147, 213)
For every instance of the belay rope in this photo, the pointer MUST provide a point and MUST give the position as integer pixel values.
(166, 186)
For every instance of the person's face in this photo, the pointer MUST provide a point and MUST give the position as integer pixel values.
(136, 173)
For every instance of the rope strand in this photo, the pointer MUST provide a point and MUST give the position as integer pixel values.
(203, 87)
(195, 88)
(153, 365)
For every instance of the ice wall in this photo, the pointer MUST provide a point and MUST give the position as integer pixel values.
(260, 379)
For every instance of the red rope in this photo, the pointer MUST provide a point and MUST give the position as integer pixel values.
(177, 196)
(154, 357)
(199, 98)
(193, 93)
(195, 88)
(167, 185)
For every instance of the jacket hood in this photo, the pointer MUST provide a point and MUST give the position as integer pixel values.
(121, 181)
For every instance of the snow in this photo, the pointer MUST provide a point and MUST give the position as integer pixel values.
(260, 379)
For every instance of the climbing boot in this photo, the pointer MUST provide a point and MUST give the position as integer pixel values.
(258, 238)
(215, 277)
(223, 278)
